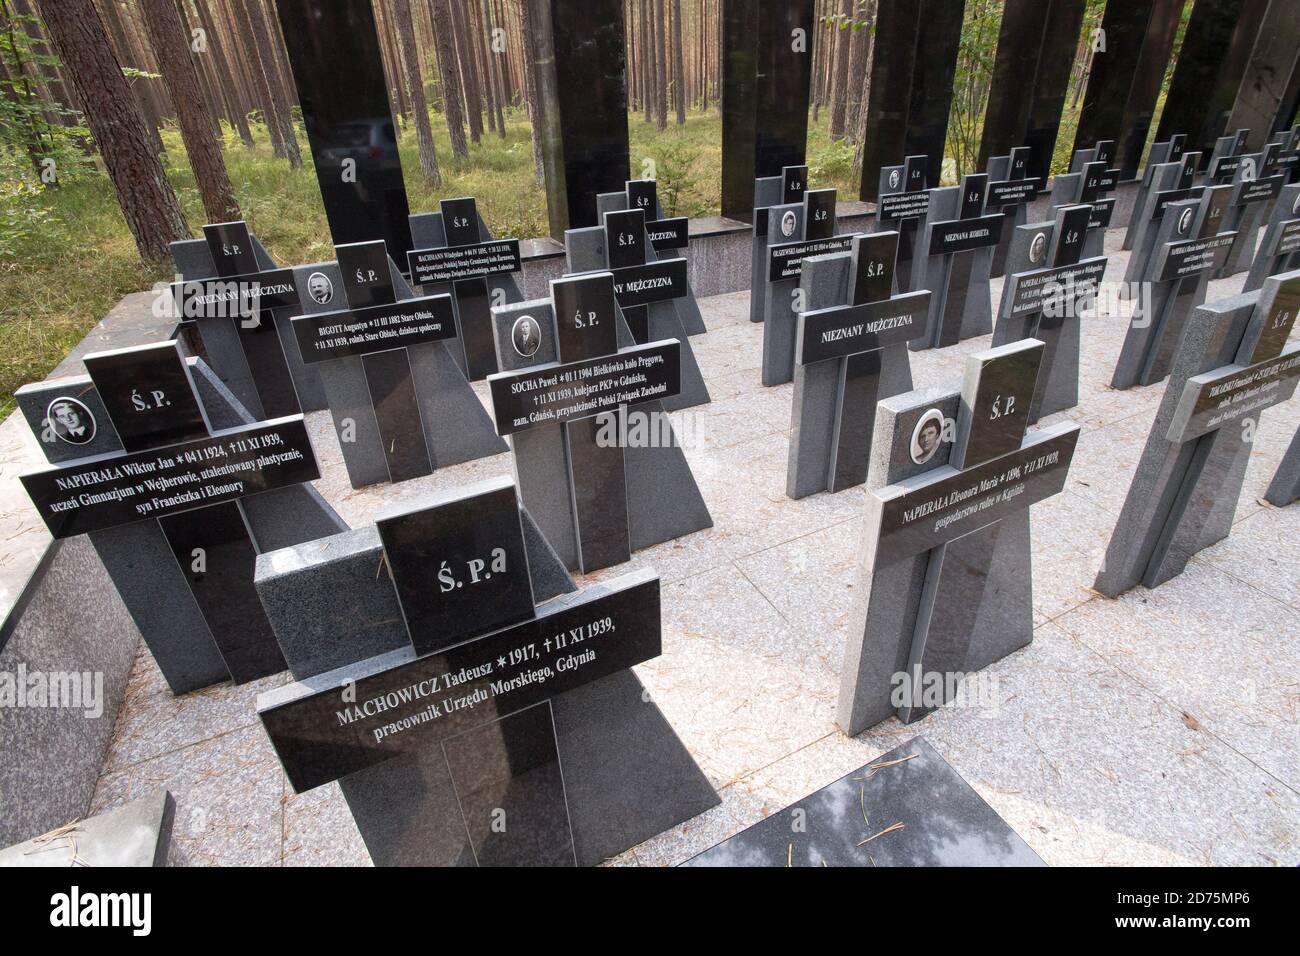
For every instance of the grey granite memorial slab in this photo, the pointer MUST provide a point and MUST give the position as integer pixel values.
(1048, 288)
(1162, 153)
(1285, 486)
(1232, 363)
(668, 238)
(907, 808)
(957, 239)
(770, 191)
(483, 270)
(591, 250)
(540, 725)
(556, 456)
(1169, 182)
(1279, 250)
(1252, 194)
(944, 585)
(255, 355)
(851, 352)
(795, 231)
(902, 206)
(220, 488)
(1189, 245)
(1011, 189)
(438, 418)
(136, 834)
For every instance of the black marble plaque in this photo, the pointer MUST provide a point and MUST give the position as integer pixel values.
(334, 53)
(643, 194)
(794, 183)
(320, 737)
(557, 392)
(1215, 397)
(840, 331)
(474, 310)
(585, 316)
(218, 558)
(859, 388)
(785, 261)
(367, 279)
(452, 263)
(666, 234)
(397, 413)
(818, 214)
(653, 282)
(871, 267)
(961, 235)
(241, 297)
(331, 335)
(231, 248)
(510, 789)
(148, 394)
(154, 481)
(460, 220)
(459, 566)
(848, 822)
(599, 488)
(625, 238)
(999, 410)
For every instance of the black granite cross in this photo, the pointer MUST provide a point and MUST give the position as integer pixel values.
(830, 440)
(1227, 156)
(783, 190)
(1170, 182)
(638, 283)
(466, 261)
(168, 465)
(473, 700)
(951, 250)
(904, 200)
(1233, 363)
(377, 327)
(946, 584)
(1038, 301)
(1188, 248)
(244, 295)
(585, 390)
(1011, 193)
(1089, 181)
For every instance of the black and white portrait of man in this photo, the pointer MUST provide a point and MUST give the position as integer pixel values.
(787, 224)
(926, 436)
(320, 288)
(70, 421)
(526, 336)
(1038, 248)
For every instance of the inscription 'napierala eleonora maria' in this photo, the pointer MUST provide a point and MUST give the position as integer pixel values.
(562, 392)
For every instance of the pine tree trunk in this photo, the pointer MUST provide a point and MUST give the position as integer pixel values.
(853, 87)
(121, 46)
(661, 67)
(452, 108)
(648, 59)
(864, 97)
(275, 89)
(171, 49)
(490, 67)
(840, 80)
(246, 46)
(223, 75)
(415, 86)
(468, 77)
(148, 202)
(679, 71)
(530, 86)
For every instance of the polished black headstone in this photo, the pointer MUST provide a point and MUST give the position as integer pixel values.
(397, 413)
(1149, 74)
(1110, 75)
(934, 67)
(459, 564)
(334, 53)
(148, 394)
(889, 93)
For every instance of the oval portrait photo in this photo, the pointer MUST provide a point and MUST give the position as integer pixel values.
(1038, 248)
(70, 420)
(526, 336)
(926, 436)
(787, 224)
(320, 288)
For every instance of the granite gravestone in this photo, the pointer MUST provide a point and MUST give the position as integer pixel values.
(786, 189)
(1225, 158)
(944, 584)
(401, 405)
(455, 254)
(1285, 486)
(1011, 189)
(1286, 159)
(794, 231)
(465, 725)
(1048, 287)
(957, 242)
(1232, 363)
(647, 289)
(1281, 243)
(852, 822)
(1252, 194)
(135, 834)
(1189, 246)
(903, 203)
(668, 238)
(179, 490)
(241, 302)
(1090, 178)
(1168, 151)
(850, 351)
(1170, 182)
(596, 457)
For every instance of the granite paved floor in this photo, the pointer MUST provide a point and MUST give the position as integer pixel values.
(1160, 728)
